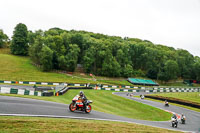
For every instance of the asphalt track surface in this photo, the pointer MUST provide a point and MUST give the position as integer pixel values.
(31, 107)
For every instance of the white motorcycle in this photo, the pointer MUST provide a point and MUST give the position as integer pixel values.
(174, 122)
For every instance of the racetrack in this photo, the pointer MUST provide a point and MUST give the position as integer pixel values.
(26, 107)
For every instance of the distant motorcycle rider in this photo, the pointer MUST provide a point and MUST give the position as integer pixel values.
(183, 118)
(166, 103)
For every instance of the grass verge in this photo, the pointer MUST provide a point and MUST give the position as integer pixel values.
(183, 106)
(188, 96)
(13, 124)
(104, 101)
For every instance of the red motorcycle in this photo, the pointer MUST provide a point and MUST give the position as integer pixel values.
(77, 104)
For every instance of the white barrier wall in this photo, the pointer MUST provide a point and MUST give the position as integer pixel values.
(5, 90)
(20, 92)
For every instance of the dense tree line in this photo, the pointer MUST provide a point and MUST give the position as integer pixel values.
(105, 55)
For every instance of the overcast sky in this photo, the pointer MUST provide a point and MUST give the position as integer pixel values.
(169, 22)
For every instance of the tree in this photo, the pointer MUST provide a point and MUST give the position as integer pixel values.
(72, 57)
(196, 68)
(19, 44)
(170, 71)
(110, 66)
(127, 71)
(3, 39)
(46, 58)
(35, 49)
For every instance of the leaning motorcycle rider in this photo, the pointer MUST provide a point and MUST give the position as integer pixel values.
(174, 116)
(82, 97)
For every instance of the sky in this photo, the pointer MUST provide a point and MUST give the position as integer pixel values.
(173, 23)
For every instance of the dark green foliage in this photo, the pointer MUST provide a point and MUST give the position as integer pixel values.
(72, 57)
(19, 45)
(46, 58)
(3, 39)
(110, 55)
(35, 49)
(170, 71)
(127, 71)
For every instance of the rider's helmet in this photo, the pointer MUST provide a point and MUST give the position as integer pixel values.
(81, 93)
(174, 116)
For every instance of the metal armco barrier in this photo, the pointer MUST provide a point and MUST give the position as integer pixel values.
(65, 89)
(47, 94)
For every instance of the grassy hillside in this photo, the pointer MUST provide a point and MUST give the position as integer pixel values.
(105, 101)
(19, 68)
(41, 125)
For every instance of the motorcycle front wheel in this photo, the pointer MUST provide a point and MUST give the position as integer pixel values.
(88, 109)
(71, 107)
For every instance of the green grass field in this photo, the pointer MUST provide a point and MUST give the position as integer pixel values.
(105, 101)
(13, 124)
(19, 68)
(189, 96)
